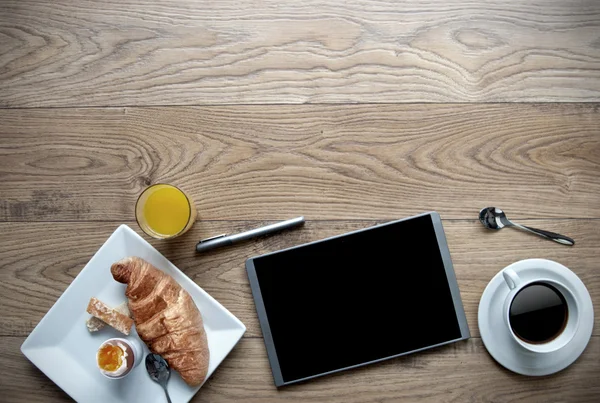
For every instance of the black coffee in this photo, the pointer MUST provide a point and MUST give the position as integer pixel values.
(538, 313)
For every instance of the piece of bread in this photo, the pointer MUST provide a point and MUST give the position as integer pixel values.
(109, 316)
(166, 318)
(94, 324)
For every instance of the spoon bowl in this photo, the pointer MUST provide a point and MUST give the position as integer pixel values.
(491, 218)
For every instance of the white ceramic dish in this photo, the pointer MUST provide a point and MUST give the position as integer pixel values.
(62, 348)
(497, 337)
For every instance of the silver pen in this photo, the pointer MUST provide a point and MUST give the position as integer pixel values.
(224, 239)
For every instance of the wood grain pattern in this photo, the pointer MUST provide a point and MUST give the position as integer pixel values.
(117, 53)
(273, 162)
(462, 372)
(37, 269)
(96, 103)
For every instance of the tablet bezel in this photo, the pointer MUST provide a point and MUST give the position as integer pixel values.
(450, 275)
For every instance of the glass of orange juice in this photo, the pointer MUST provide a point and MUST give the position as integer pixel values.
(164, 211)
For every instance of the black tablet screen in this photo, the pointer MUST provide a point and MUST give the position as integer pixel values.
(357, 298)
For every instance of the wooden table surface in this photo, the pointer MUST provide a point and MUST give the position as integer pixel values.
(351, 113)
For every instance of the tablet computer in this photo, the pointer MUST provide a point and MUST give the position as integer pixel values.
(357, 298)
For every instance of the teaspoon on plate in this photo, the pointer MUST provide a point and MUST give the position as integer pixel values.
(159, 371)
(494, 218)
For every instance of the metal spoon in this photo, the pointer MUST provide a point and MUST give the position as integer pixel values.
(159, 371)
(494, 218)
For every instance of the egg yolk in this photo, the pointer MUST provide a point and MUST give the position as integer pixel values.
(110, 357)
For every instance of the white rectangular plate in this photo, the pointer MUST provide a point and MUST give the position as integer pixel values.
(62, 348)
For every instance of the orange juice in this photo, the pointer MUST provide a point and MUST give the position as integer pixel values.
(164, 211)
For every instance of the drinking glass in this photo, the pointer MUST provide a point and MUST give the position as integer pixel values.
(164, 211)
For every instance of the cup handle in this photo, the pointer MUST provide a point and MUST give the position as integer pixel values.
(511, 278)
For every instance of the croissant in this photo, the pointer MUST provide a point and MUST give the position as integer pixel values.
(166, 318)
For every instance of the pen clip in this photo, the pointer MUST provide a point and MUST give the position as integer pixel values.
(211, 238)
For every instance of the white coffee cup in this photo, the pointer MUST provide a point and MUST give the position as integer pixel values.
(516, 284)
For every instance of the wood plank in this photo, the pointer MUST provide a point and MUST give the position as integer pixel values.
(118, 53)
(39, 261)
(445, 374)
(325, 162)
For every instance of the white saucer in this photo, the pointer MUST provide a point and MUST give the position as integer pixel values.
(496, 335)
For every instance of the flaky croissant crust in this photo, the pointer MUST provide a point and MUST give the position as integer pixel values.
(166, 318)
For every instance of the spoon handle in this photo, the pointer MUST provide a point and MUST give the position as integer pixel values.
(565, 240)
(167, 395)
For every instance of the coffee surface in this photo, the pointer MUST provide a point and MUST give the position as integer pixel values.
(538, 313)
